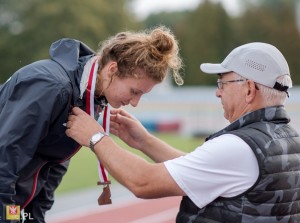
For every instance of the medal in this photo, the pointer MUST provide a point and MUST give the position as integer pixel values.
(105, 196)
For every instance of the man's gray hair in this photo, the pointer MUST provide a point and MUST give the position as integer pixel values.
(272, 96)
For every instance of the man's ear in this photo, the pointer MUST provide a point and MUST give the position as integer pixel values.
(251, 91)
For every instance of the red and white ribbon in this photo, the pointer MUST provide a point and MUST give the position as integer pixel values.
(104, 116)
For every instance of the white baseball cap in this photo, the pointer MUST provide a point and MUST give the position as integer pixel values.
(260, 62)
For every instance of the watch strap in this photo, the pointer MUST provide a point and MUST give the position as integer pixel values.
(92, 144)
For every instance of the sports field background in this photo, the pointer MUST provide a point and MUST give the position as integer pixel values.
(83, 172)
(76, 197)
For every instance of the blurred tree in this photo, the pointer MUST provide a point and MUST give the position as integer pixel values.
(208, 33)
(273, 22)
(27, 28)
(169, 19)
(205, 36)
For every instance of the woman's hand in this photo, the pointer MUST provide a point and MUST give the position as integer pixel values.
(81, 126)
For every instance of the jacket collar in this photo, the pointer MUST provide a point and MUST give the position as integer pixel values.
(72, 55)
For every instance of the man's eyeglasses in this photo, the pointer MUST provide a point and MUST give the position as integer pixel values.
(220, 83)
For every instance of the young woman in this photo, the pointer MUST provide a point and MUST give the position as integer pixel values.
(36, 101)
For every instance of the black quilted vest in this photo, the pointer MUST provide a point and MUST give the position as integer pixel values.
(275, 197)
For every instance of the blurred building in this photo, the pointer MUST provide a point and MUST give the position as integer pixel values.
(192, 110)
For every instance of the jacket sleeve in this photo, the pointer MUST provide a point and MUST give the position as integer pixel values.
(25, 120)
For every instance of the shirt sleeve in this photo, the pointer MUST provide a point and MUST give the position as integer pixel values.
(222, 167)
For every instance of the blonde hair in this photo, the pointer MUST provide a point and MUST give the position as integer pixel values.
(154, 51)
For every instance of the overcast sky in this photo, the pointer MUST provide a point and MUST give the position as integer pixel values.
(143, 8)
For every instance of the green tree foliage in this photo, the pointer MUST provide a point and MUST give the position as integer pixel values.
(272, 22)
(208, 33)
(27, 28)
(169, 19)
(205, 36)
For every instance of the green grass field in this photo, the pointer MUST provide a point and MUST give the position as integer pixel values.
(83, 170)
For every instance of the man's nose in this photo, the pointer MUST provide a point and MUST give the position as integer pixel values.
(218, 93)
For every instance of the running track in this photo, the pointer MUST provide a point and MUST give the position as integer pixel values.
(82, 207)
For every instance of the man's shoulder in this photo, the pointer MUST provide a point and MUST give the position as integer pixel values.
(228, 142)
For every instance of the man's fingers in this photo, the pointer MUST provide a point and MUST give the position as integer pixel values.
(122, 112)
(71, 118)
(124, 120)
(77, 111)
(125, 113)
(114, 111)
(68, 132)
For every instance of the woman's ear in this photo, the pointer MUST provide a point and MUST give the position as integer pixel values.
(112, 68)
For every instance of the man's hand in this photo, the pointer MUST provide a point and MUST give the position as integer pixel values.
(81, 126)
(128, 128)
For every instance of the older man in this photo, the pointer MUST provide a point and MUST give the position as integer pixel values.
(246, 172)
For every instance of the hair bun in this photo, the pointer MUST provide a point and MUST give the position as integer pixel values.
(155, 51)
(162, 40)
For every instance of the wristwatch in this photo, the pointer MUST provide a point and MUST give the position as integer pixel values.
(96, 138)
